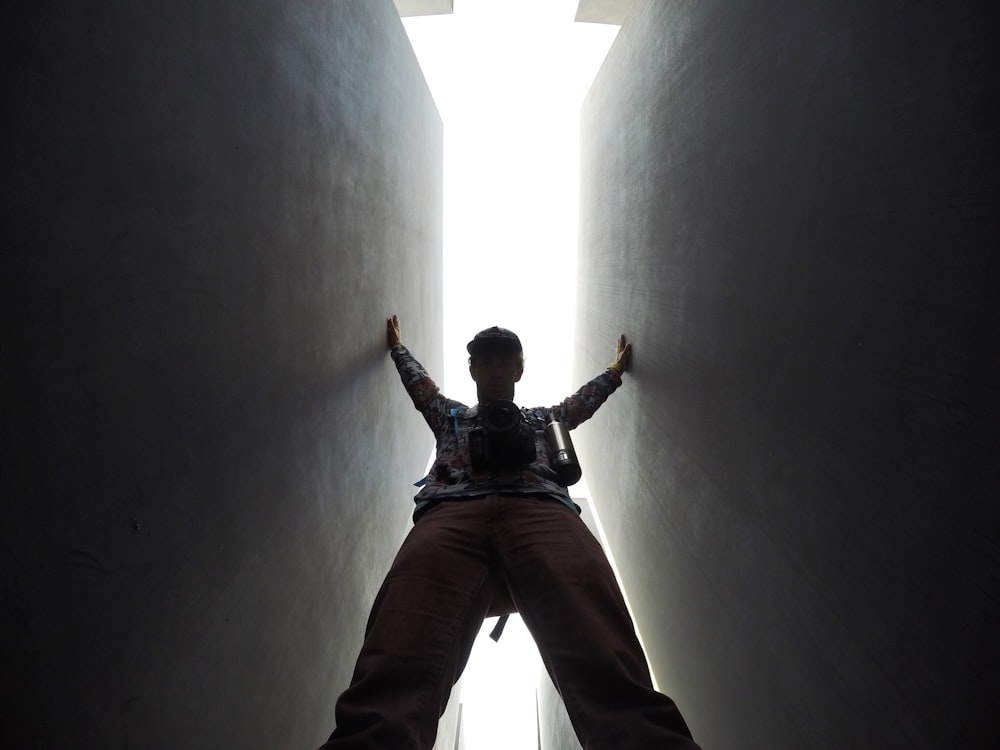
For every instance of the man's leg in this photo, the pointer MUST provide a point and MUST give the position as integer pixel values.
(419, 635)
(568, 597)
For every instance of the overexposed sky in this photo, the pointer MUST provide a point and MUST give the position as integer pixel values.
(508, 78)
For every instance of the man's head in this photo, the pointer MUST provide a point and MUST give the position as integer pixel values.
(496, 362)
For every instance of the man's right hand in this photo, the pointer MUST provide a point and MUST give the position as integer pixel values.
(392, 335)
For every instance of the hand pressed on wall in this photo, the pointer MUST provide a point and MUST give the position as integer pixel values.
(392, 334)
(623, 353)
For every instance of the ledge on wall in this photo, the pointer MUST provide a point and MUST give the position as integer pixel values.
(604, 11)
(424, 7)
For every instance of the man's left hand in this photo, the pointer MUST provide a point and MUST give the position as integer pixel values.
(623, 353)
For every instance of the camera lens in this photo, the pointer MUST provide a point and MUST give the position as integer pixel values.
(501, 417)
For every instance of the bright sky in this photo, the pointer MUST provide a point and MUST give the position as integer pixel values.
(509, 77)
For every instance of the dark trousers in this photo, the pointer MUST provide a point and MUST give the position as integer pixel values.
(466, 559)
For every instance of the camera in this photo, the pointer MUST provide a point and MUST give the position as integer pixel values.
(502, 442)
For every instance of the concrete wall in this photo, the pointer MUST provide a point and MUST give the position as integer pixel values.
(210, 208)
(791, 208)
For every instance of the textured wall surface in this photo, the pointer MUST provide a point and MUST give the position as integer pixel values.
(791, 207)
(209, 209)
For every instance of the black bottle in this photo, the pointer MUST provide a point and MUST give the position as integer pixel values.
(561, 453)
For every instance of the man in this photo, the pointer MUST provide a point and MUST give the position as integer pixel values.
(496, 532)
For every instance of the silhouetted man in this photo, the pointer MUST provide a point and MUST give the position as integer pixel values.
(495, 532)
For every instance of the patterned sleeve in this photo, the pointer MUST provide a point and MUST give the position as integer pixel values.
(426, 396)
(581, 406)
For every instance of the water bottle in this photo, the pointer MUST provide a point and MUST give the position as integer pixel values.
(562, 456)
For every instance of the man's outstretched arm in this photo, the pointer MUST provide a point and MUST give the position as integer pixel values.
(581, 405)
(422, 389)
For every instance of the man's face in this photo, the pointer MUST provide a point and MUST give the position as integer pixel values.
(495, 373)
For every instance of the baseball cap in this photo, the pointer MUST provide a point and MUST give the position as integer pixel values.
(494, 338)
